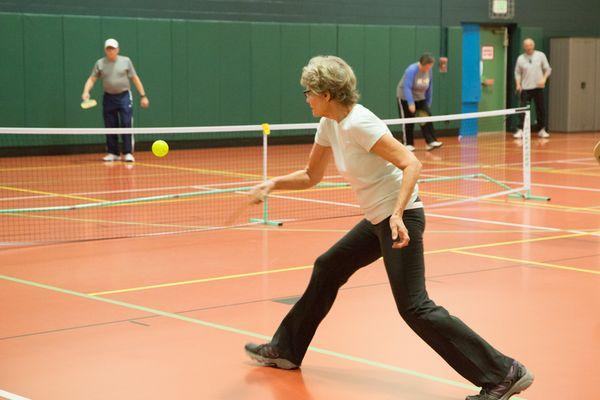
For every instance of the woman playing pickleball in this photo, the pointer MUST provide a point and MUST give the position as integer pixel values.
(384, 174)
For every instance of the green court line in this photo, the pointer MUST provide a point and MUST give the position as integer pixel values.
(149, 199)
(243, 332)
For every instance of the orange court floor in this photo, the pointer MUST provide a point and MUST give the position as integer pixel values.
(166, 317)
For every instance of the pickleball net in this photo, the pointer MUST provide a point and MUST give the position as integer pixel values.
(55, 188)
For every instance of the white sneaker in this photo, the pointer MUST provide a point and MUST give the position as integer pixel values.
(518, 134)
(129, 157)
(111, 157)
(434, 145)
(410, 147)
(543, 134)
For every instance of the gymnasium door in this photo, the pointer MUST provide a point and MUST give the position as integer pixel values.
(494, 45)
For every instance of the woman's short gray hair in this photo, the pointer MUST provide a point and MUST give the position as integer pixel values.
(331, 74)
(426, 59)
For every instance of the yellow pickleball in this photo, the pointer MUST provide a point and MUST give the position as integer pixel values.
(266, 128)
(160, 148)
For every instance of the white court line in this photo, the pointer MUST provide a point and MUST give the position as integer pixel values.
(486, 221)
(515, 164)
(333, 203)
(585, 189)
(473, 199)
(11, 396)
(478, 220)
(436, 215)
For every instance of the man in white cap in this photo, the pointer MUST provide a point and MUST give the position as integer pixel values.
(115, 72)
(531, 72)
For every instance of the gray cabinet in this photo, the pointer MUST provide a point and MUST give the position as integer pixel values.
(597, 111)
(574, 84)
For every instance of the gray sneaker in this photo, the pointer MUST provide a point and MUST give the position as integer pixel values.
(267, 355)
(517, 380)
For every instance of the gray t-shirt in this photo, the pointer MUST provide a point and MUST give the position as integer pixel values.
(530, 69)
(115, 75)
(376, 181)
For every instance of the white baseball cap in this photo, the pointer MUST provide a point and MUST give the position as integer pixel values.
(111, 43)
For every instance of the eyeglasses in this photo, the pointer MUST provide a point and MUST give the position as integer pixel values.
(310, 92)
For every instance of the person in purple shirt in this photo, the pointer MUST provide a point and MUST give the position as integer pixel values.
(414, 92)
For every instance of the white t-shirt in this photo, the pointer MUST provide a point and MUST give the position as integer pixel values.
(376, 181)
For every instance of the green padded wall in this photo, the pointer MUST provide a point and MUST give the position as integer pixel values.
(44, 71)
(79, 58)
(376, 79)
(12, 78)
(203, 54)
(235, 84)
(295, 53)
(402, 54)
(266, 72)
(156, 70)
(180, 95)
(204, 72)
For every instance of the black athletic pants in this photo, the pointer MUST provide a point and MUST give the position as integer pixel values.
(408, 129)
(537, 95)
(463, 349)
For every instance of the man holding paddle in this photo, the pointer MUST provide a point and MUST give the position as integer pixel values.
(414, 94)
(115, 72)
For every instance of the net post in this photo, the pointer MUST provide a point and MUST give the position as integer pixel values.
(527, 195)
(266, 129)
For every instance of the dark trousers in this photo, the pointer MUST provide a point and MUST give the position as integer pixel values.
(537, 95)
(118, 113)
(463, 349)
(408, 129)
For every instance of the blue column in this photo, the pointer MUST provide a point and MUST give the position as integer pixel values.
(471, 79)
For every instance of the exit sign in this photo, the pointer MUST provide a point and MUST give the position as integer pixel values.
(502, 9)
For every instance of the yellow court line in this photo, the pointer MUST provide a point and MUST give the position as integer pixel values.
(103, 178)
(578, 169)
(203, 280)
(480, 246)
(304, 267)
(228, 195)
(201, 170)
(103, 221)
(537, 263)
(47, 167)
(68, 196)
(566, 172)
